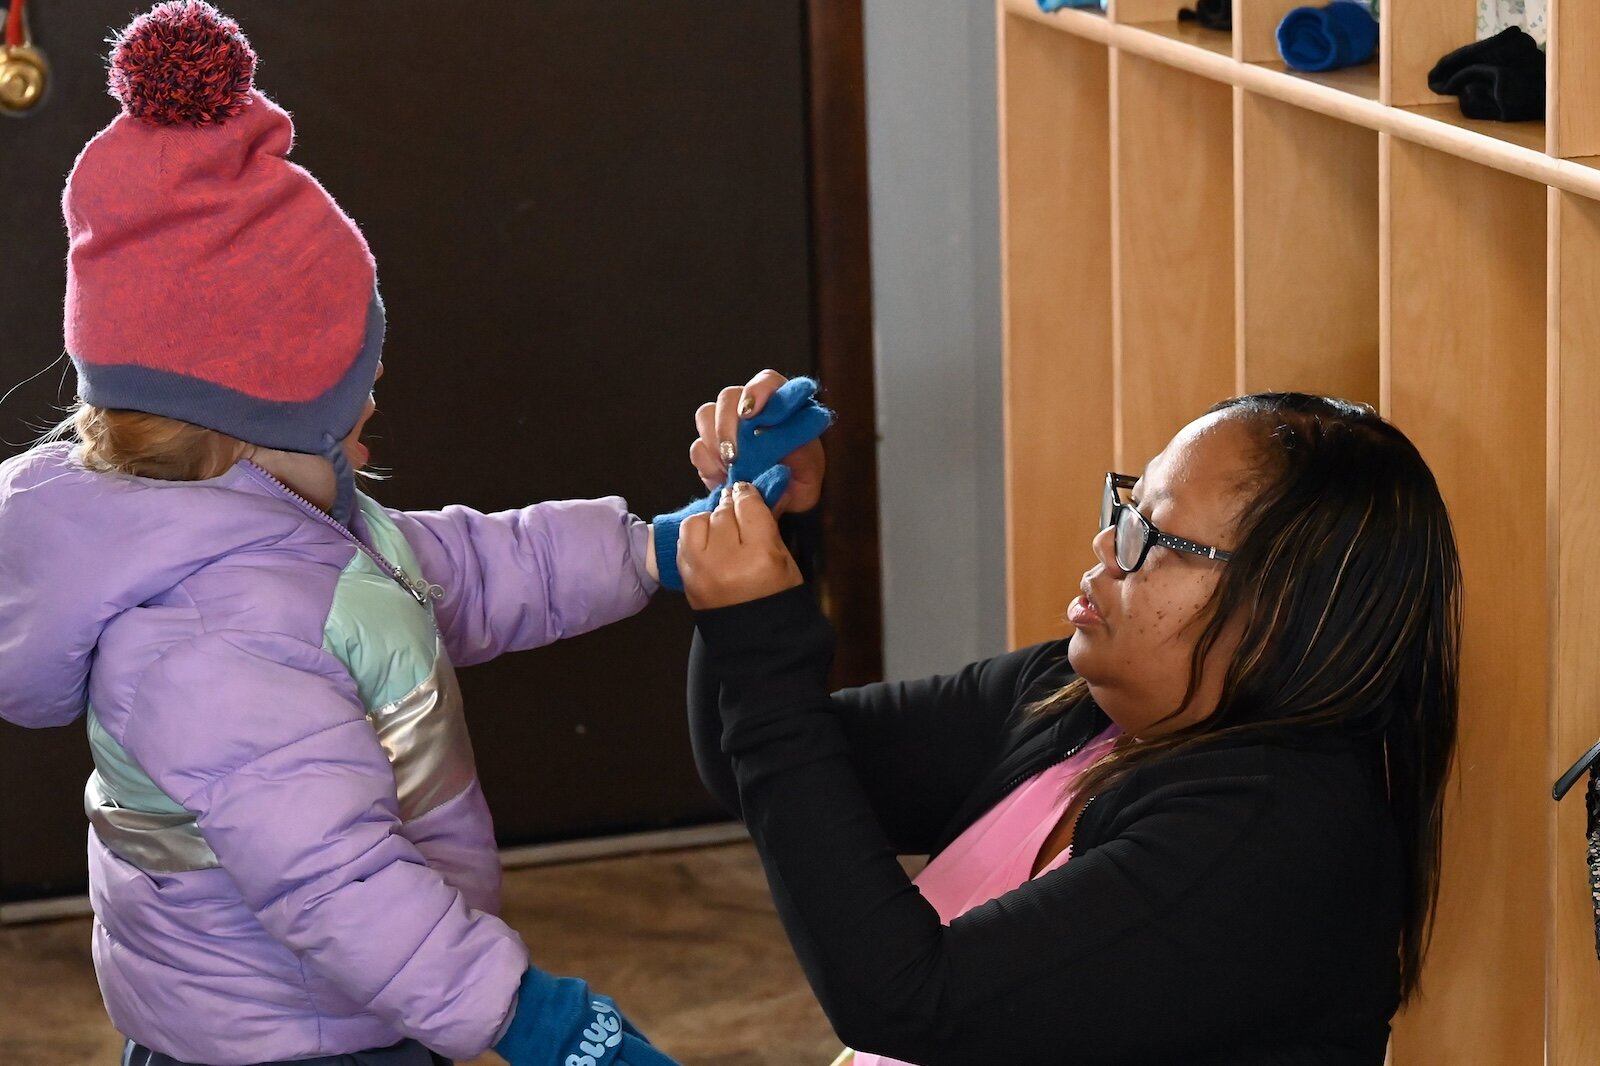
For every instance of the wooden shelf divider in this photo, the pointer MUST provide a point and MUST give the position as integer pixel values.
(1416, 34)
(1573, 55)
(1466, 365)
(1573, 557)
(1056, 251)
(1306, 277)
(1173, 241)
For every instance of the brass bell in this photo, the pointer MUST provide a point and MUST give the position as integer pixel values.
(24, 76)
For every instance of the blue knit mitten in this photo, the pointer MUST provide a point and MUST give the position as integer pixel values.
(664, 527)
(559, 1022)
(792, 418)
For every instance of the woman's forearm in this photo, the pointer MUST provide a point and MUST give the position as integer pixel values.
(705, 729)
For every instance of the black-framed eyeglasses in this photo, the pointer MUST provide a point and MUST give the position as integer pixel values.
(1132, 534)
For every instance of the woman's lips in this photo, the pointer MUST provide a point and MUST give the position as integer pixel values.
(1083, 611)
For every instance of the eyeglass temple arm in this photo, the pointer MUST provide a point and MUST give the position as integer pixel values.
(1205, 551)
(1567, 780)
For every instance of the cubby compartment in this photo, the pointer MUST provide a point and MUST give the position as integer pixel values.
(1160, 18)
(1574, 508)
(1360, 82)
(1307, 236)
(1464, 377)
(1056, 211)
(1218, 42)
(1573, 55)
(1416, 35)
(1529, 135)
(1255, 32)
(1172, 181)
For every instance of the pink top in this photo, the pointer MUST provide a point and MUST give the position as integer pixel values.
(996, 853)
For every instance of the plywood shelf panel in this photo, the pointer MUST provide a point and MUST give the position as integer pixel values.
(1306, 204)
(1416, 34)
(1217, 42)
(1133, 11)
(1573, 56)
(1573, 444)
(1529, 136)
(1173, 233)
(1466, 375)
(1360, 82)
(1087, 23)
(1056, 255)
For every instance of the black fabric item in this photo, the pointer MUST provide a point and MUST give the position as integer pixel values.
(1592, 810)
(1501, 77)
(1212, 14)
(1237, 905)
(405, 1053)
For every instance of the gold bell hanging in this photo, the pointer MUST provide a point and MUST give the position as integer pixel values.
(24, 72)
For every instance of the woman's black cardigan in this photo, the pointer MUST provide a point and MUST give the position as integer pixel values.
(1238, 904)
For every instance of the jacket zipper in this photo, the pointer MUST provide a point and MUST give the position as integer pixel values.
(1057, 761)
(1019, 779)
(1076, 822)
(420, 589)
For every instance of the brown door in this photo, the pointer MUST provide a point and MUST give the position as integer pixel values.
(586, 218)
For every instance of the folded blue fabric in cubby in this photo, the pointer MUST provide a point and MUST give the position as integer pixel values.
(1048, 6)
(1342, 34)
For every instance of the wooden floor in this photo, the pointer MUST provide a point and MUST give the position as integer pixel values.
(686, 941)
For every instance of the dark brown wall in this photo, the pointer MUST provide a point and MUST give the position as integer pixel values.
(586, 218)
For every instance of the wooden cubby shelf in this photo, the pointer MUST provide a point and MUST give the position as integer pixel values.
(1360, 82)
(1217, 42)
(1352, 95)
(1184, 219)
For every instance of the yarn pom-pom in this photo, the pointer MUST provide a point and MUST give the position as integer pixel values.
(182, 62)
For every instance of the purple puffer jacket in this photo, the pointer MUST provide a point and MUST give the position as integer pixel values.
(285, 859)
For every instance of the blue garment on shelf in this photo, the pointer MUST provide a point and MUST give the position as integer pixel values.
(1342, 34)
(1048, 6)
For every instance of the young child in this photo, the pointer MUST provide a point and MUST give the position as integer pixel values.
(290, 857)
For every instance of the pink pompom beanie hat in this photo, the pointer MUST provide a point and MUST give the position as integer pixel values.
(209, 279)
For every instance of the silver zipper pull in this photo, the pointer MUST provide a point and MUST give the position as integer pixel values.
(421, 589)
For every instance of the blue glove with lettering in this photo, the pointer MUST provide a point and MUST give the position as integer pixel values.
(791, 419)
(559, 1022)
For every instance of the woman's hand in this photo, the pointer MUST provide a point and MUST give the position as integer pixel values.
(734, 554)
(718, 426)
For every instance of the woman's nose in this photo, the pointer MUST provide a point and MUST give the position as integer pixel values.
(1105, 549)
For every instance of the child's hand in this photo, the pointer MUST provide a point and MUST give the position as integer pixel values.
(715, 447)
(734, 553)
(558, 1019)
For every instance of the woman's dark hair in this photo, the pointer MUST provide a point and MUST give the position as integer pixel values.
(1346, 582)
